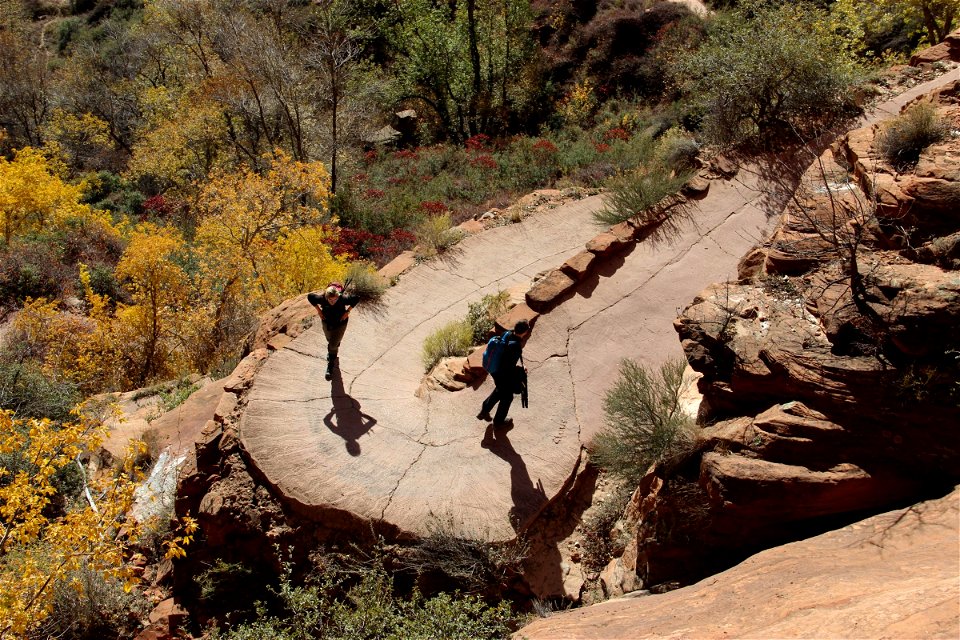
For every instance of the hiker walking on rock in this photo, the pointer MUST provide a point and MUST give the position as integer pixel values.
(501, 364)
(333, 307)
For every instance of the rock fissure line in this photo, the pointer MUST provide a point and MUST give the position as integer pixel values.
(290, 347)
(423, 449)
(573, 386)
(438, 445)
(393, 491)
(676, 259)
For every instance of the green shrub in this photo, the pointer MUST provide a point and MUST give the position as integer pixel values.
(107, 190)
(639, 194)
(435, 235)
(767, 70)
(629, 154)
(103, 281)
(452, 339)
(360, 604)
(364, 282)
(481, 316)
(643, 421)
(598, 541)
(176, 394)
(678, 151)
(26, 389)
(223, 580)
(903, 140)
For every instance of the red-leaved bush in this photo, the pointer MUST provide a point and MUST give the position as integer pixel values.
(484, 161)
(478, 142)
(617, 134)
(433, 207)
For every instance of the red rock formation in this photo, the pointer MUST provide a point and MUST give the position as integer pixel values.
(829, 369)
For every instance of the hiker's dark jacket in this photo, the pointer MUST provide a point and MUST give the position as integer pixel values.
(333, 313)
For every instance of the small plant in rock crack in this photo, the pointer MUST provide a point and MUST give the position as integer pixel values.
(903, 139)
(726, 324)
(686, 515)
(781, 287)
(482, 315)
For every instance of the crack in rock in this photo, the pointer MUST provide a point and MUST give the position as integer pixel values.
(426, 430)
(383, 513)
(676, 259)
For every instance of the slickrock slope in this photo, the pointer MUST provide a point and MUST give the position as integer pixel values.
(290, 457)
(889, 576)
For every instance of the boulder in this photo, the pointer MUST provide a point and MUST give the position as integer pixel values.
(509, 320)
(884, 577)
(546, 293)
(607, 243)
(579, 265)
(696, 187)
(398, 265)
(242, 376)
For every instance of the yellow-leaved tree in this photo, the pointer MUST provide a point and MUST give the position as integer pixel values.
(181, 141)
(301, 261)
(41, 544)
(80, 139)
(32, 195)
(250, 222)
(81, 349)
(147, 330)
(244, 212)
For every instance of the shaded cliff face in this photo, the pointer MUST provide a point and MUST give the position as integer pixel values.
(830, 369)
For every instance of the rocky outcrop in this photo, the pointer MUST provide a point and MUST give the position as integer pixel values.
(949, 49)
(890, 576)
(829, 369)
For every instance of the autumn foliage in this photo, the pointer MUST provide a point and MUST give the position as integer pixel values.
(38, 549)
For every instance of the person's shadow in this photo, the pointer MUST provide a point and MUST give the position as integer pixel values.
(345, 418)
(528, 499)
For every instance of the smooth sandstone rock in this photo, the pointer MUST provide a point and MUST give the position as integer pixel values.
(890, 576)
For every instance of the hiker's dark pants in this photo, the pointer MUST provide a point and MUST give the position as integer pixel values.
(502, 394)
(333, 335)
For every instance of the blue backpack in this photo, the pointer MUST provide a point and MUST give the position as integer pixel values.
(493, 354)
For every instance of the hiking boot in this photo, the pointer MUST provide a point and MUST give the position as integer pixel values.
(505, 425)
(483, 415)
(329, 373)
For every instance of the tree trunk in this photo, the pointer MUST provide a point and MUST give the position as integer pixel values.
(475, 64)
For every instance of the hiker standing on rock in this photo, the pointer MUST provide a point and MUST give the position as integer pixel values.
(333, 307)
(501, 363)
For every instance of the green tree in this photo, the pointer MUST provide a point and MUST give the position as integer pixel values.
(766, 71)
(465, 60)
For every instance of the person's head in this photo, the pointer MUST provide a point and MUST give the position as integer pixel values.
(522, 328)
(331, 294)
